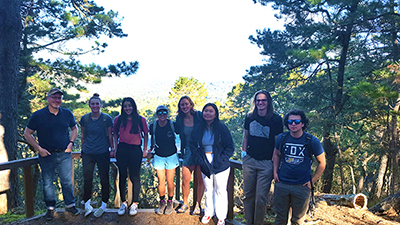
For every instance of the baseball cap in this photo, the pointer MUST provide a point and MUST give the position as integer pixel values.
(161, 107)
(54, 91)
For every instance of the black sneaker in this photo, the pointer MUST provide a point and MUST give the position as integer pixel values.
(162, 207)
(73, 210)
(49, 215)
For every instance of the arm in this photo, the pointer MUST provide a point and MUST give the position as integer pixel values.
(72, 138)
(229, 147)
(245, 138)
(320, 168)
(28, 134)
(275, 160)
(146, 142)
(82, 136)
(110, 137)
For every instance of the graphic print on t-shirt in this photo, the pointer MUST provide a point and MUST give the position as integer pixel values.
(258, 130)
(294, 153)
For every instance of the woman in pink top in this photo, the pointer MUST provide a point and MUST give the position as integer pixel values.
(128, 128)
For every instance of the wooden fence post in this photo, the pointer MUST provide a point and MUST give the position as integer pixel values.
(28, 191)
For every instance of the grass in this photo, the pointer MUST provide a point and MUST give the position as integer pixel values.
(12, 217)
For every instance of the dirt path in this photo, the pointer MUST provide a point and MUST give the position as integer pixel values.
(110, 217)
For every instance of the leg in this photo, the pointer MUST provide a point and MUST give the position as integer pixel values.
(249, 188)
(48, 167)
(209, 195)
(135, 158)
(170, 182)
(103, 164)
(209, 191)
(122, 163)
(161, 182)
(221, 194)
(300, 202)
(282, 203)
(64, 168)
(88, 167)
(263, 185)
(186, 177)
(200, 187)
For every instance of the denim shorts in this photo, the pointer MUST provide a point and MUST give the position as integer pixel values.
(168, 163)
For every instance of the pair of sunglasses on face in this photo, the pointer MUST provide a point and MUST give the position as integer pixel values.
(162, 113)
(295, 121)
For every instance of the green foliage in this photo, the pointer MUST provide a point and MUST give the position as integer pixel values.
(190, 87)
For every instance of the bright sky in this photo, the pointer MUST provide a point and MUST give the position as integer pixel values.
(206, 39)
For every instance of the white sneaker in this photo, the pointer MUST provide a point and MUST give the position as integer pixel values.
(88, 210)
(122, 209)
(133, 210)
(221, 222)
(205, 219)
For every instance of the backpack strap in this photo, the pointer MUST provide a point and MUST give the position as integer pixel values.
(283, 142)
(309, 145)
(104, 116)
(86, 121)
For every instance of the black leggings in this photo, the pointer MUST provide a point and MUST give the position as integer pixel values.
(103, 164)
(129, 157)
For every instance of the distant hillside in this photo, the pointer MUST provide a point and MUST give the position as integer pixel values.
(150, 92)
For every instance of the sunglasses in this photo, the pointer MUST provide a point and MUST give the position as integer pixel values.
(261, 100)
(295, 121)
(162, 113)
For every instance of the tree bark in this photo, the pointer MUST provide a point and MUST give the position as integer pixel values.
(10, 33)
(330, 152)
(357, 201)
(377, 189)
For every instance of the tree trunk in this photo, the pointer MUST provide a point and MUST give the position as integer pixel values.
(363, 173)
(377, 189)
(330, 152)
(390, 203)
(338, 102)
(357, 201)
(10, 33)
(342, 179)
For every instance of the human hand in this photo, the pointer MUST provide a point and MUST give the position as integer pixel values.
(144, 153)
(276, 177)
(113, 153)
(43, 152)
(308, 184)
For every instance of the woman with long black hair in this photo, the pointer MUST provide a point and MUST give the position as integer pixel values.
(128, 130)
(212, 146)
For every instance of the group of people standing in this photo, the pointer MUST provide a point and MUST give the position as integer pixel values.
(206, 147)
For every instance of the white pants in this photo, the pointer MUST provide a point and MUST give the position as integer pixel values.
(216, 194)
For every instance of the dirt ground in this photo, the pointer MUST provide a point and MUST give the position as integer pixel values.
(323, 214)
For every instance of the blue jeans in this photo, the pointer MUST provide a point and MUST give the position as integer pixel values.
(63, 163)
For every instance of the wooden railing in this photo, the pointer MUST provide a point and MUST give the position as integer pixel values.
(27, 163)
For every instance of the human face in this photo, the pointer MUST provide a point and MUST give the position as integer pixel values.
(55, 100)
(293, 127)
(162, 115)
(185, 106)
(261, 102)
(209, 114)
(128, 109)
(95, 105)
